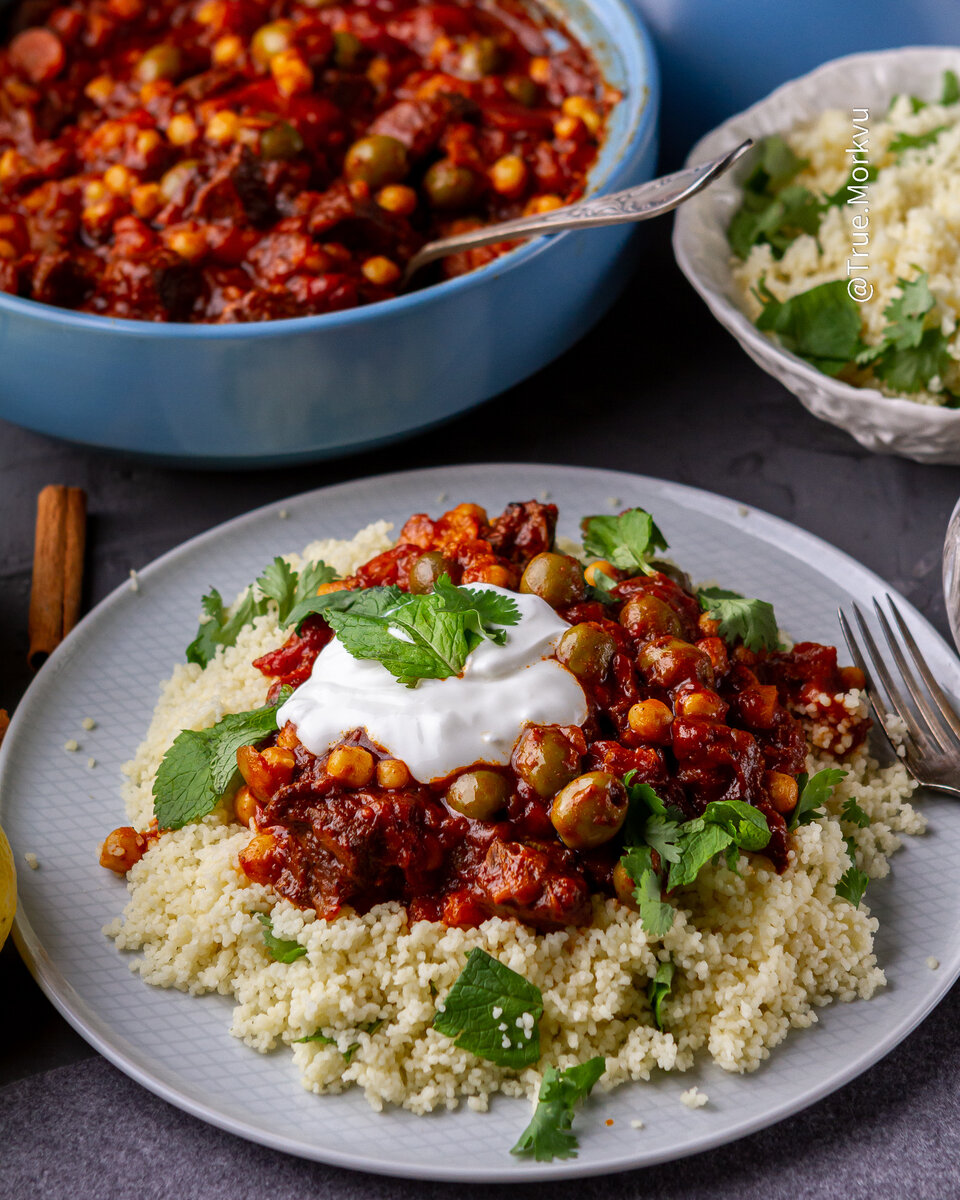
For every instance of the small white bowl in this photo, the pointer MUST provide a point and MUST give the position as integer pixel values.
(881, 423)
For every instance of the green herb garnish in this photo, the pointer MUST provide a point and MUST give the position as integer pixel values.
(814, 792)
(853, 882)
(656, 914)
(482, 1010)
(371, 1027)
(548, 1135)
(854, 814)
(659, 988)
(900, 143)
(913, 348)
(628, 541)
(279, 582)
(773, 210)
(420, 637)
(726, 825)
(950, 88)
(281, 950)
(201, 765)
(751, 621)
(821, 325)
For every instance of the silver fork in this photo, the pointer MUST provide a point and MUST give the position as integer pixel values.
(932, 742)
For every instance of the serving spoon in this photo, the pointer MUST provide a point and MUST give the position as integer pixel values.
(633, 204)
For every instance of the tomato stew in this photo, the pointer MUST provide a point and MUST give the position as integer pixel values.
(245, 160)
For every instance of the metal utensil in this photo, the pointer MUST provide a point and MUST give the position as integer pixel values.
(951, 573)
(633, 204)
(931, 744)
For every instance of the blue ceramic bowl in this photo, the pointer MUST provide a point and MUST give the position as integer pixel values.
(314, 387)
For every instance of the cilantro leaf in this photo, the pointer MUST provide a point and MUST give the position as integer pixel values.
(950, 90)
(199, 767)
(821, 325)
(371, 1027)
(420, 637)
(320, 1037)
(909, 354)
(854, 814)
(280, 949)
(814, 793)
(658, 990)
(660, 834)
(853, 882)
(548, 1135)
(482, 1010)
(843, 194)
(279, 582)
(723, 824)
(770, 210)
(372, 601)
(628, 541)
(656, 914)
(221, 629)
(751, 621)
(311, 576)
(900, 143)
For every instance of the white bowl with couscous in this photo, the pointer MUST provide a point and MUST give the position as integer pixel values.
(890, 121)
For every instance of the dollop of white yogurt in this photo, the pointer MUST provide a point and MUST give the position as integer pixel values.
(442, 725)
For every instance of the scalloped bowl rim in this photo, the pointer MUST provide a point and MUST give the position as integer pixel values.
(642, 125)
(720, 304)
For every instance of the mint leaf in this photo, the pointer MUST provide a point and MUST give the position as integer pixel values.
(659, 988)
(854, 814)
(628, 541)
(724, 824)
(902, 142)
(853, 882)
(821, 325)
(950, 90)
(199, 767)
(698, 846)
(746, 825)
(814, 793)
(548, 1135)
(741, 619)
(656, 915)
(280, 949)
(483, 1007)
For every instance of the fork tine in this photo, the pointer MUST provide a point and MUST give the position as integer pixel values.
(940, 699)
(857, 655)
(935, 727)
(880, 670)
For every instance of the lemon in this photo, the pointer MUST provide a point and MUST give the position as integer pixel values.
(8, 887)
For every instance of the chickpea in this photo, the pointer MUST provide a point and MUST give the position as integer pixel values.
(556, 578)
(159, 62)
(586, 651)
(783, 791)
(542, 204)
(271, 39)
(377, 160)
(287, 737)
(852, 677)
(539, 70)
(351, 765)
(265, 773)
(397, 199)
(291, 74)
(392, 773)
(222, 127)
(508, 175)
(381, 271)
(181, 130)
(174, 183)
(478, 794)
(427, 570)
(599, 566)
(449, 186)
(569, 129)
(244, 805)
(479, 57)
(281, 762)
(704, 704)
(580, 106)
(590, 810)
(667, 661)
(651, 720)
(257, 858)
(226, 50)
(545, 759)
(122, 849)
(708, 626)
(644, 616)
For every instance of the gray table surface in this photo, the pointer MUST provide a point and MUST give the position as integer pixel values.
(656, 388)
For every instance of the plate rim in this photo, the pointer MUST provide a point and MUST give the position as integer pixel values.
(57, 988)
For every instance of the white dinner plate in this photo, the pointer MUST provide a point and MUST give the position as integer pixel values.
(178, 1046)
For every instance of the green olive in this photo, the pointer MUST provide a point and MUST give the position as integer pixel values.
(377, 159)
(159, 62)
(644, 616)
(556, 578)
(280, 141)
(668, 661)
(479, 56)
(545, 759)
(271, 39)
(478, 794)
(347, 48)
(522, 89)
(586, 651)
(590, 810)
(624, 886)
(449, 186)
(427, 570)
(173, 183)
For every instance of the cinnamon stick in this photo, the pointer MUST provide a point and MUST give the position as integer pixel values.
(57, 569)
